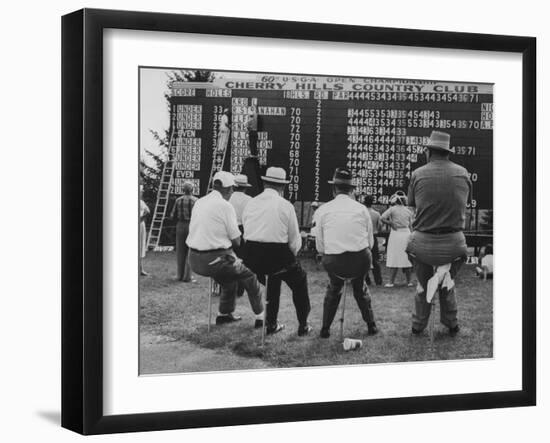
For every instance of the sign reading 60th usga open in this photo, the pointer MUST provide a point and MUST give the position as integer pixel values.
(310, 125)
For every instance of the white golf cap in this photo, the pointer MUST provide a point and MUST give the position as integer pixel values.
(226, 178)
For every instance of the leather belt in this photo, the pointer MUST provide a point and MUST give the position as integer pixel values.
(442, 231)
(209, 251)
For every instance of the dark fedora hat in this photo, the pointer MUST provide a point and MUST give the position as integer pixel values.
(342, 177)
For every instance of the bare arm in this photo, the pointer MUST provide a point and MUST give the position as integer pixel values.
(385, 218)
(294, 237)
(370, 229)
(319, 240)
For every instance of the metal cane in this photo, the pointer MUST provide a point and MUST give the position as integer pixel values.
(210, 303)
(432, 325)
(346, 284)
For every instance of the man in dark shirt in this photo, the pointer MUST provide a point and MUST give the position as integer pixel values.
(181, 212)
(439, 191)
(252, 126)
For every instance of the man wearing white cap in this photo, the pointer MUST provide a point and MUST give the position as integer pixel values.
(213, 232)
(344, 237)
(440, 191)
(273, 239)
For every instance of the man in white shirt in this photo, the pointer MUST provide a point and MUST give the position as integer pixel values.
(344, 238)
(272, 242)
(213, 232)
(239, 200)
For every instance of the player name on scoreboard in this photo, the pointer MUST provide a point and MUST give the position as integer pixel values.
(310, 125)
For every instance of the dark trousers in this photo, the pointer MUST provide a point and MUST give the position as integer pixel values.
(447, 298)
(239, 253)
(182, 251)
(352, 265)
(376, 272)
(227, 270)
(296, 279)
(253, 142)
(276, 261)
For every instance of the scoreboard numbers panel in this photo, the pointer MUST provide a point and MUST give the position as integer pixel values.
(310, 125)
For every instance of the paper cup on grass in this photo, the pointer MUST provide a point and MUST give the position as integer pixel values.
(352, 344)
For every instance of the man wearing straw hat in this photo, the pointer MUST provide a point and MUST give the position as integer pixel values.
(239, 199)
(344, 237)
(181, 213)
(272, 242)
(213, 233)
(440, 191)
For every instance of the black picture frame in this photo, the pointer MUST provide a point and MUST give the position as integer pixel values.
(82, 216)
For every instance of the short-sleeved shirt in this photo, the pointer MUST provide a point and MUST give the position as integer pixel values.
(183, 207)
(143, 209)
(375, 217)
(213, 223)
(269, 218)
(343, 225)
(239, 200)
(252, 123)
(224, 123)
(487, 260)
(439, 190)
(400, 216)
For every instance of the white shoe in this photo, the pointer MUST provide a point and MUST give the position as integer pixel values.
(389, 285)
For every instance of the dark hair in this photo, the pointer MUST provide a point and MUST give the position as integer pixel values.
(489, 249)
(369, 200)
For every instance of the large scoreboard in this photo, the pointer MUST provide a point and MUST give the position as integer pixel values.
(309, 125)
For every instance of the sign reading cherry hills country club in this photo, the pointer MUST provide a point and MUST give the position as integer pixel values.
(310, 125)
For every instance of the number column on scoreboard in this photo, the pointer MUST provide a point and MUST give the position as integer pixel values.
(385, 137)
(186, 148)
(215, 101)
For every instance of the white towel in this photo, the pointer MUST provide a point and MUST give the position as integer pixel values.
(442, 276)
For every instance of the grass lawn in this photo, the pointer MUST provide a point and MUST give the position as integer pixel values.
(174, 318)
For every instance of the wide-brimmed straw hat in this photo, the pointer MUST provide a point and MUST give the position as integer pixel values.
(275, 175)
(342, 177)
(440, 140)
(241, 181)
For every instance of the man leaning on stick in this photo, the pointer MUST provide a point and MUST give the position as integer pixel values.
(439, 191)
(344, 237)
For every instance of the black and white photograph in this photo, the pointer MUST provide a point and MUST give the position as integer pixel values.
(291, 220)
